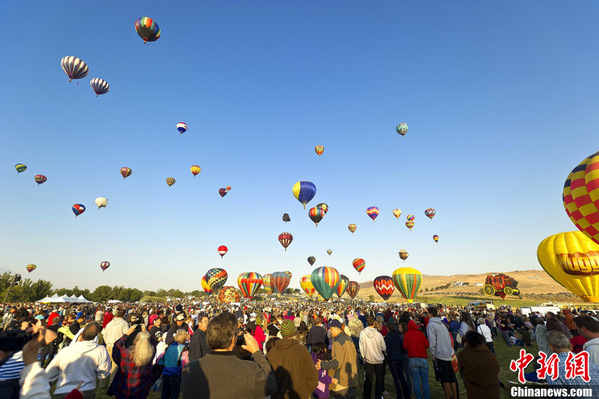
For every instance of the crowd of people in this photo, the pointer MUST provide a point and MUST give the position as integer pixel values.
(291, 350)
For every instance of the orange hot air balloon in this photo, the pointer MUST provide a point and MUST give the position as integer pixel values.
(352, 227)
(359, 264)
(319, 149)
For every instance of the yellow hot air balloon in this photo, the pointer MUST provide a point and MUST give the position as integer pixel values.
(319, 149)
(170, 181)
(195, 170)
(572, 259)
(397, 213)
(307, 286)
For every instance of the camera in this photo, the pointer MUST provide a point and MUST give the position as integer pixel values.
(240, 338)
(14, 340)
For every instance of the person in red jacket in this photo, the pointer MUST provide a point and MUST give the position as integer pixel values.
(416, 344)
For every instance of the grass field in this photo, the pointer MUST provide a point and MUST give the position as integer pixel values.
(504, 355)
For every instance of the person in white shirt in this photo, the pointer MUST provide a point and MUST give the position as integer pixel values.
(112, 333)
(373, 347)
(485, 331)
(84, 361)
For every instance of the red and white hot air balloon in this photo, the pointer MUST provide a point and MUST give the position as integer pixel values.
(222, 250)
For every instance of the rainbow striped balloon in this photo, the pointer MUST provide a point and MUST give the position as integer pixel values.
(266, 283)
(359, 264)
(408, 281)
(325, 280)
(249, 283)
(343, 285)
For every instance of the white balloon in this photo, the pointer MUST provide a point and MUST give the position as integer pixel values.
(101, 202)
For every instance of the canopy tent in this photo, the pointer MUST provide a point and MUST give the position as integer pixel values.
(63, 299)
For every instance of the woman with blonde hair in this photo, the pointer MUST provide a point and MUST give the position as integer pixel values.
(134, 376)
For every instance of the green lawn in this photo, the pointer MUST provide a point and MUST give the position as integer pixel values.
(504, 355)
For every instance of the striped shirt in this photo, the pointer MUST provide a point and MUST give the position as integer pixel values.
(12, 368)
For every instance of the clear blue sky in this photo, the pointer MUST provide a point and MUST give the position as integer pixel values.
(501, 100)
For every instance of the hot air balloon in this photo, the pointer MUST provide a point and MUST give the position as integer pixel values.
(359, 264)
(286, 218)
(581, 197)
(316, 215)
(319, 149)
(324, 207)
(104, 265)
(31, 268)
(216, 278)
(311, 260)
(325, 280)
(101, 202)
(222, 250)
(74, 67)
(352, 227)
(78, 209)
(223, 192)
(285, 239)
(20, 167)
(572, 259)
(304, 191)
(287, 272)
(205, 286)
(402, 129)
(329, 251)
(40, 179)
(410, 218)
(228, 188)
(170, 181)
(397, 213)
(100, 86)
(250, 283)
(403, 254)
(353, 289)
(182, 127)
(410, 224)
(267, 283)
(279, 282)
(408, 281)
(430, 213)
(343, 285)
(384, 286)
(307, 286)
(373, 212)
(126, 172)
(436, 238)
(229, 295)
(147, 29)
(195, 170)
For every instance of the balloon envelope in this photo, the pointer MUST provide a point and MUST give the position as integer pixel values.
(78, 209)
(205, 286)
(436, 238)
(373, 212)
(402, 129)
(279, 282)
(20, 167)
(351, 227)
(285, 239)
(170, 181)
(99, 86)
(147, 29)
(286, 218)
(311, 260)
(319, 149)
(31, 268)
(222, 250)
(316, 215)
(342, 287)
(384, 286)
(430, 213)
(572, 259)
(74, 67)
(353, 289)
(182, 127)
(307, 286)
(250, 283)
(410, 224)
(104, 265)
(408, 281)
(101, 202)
(229, 295)
(216, 278)
(325, 280)
(267, 283)
(397, 213)
(40, 179)
(403, 254)
(304, 191)
(329, 251)
(195, 170)
(126, 172)
(359, 264)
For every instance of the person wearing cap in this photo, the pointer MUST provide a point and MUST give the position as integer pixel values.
(293, 365)
(178, 325)
(221, 374)
(343, 362)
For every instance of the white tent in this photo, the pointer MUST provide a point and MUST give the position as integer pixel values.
(64, 299)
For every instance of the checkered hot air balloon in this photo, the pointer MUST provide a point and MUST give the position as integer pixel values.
(74, 67)
(359, 264)
(342, 287)
(384, 286)
(581, 196)
(304, 191)
(285, 239)
(216, 278)
(78, 209)
(430, 213)
(325, 280)
(100, 86)
(353, 289)
(147, 29)
(408, 281)
(307, 286)
(249, 283)
(373, 212)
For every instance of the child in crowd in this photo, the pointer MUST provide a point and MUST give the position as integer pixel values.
(320, 352)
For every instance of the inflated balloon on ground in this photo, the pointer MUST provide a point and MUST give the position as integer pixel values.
(408, 281)
(384, 286)
(325, 280)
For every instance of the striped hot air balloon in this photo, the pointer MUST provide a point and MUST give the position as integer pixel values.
(411, 218)
(304, 191)
(581, 196)
(343, 285)
(410, 224)
(325, 280)
(319, 149)
(285, 239)
(216, 278)
(31, 268)
(267, 283)
(205, 286)
(74, 67)
(408, 281)
(307, 286)
(353, 289)
(316, 215)
(250, 283)
(182, 127)
(20, 167)
(430, 213)
(373, 212)
(280, 282)
(126, 172)
(436, 238)
(359, 264)
(384, 286)
(352, 227)
(147, 29)
(222, 251)
(100, 86)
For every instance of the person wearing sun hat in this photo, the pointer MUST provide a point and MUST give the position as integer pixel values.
(293, 365)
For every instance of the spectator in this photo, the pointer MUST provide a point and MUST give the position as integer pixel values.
(479, 367)
(113, 331)
(198, 346)
(320, 352)
(416, 344)
(395, 355)
(317, 334)
(344, 362)
(84, 360)
(220, 374)
(178, 324)
(372, 348)
(560, 344)
(588, 327)
(485, 331)
(173, 361)
(293, 365)
(442, 351)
